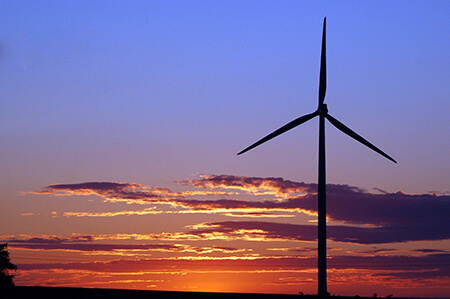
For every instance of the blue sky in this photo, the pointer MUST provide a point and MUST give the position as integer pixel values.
(191, 83)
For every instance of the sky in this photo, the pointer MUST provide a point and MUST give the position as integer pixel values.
(120, 124)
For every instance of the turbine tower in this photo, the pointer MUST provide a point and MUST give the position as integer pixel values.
(322, 112)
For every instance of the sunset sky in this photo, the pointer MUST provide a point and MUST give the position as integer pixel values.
(121, 120)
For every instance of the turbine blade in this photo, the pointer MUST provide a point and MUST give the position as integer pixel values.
(352, 134)
(286, 127)
(323, 66)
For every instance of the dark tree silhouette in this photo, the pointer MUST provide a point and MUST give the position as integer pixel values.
(6, 279)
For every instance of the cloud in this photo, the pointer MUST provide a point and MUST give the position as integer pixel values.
(431, 251)
(392, 266)
(148, 211)
(345, 203)
(258, 215)
(48, 239)
(294, 249)
(429, 266)
(84, 244)
(269, 231)
(138, 248)
(386, 217)
(135, 193)
(253, 185)
(124, 192)
(111, 191)
(242, 230)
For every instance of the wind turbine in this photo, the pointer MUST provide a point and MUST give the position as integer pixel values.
(322, 112)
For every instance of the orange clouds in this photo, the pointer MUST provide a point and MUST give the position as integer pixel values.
(386, 217)
(277, 187)
(374, 238)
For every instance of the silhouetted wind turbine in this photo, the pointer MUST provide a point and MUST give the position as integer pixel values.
(322, 112)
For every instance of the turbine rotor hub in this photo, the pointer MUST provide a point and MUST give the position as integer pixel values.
(323, 110)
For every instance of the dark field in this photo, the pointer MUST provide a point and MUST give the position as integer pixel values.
(82, 293)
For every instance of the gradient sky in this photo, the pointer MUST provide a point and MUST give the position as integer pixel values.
(120, 125)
